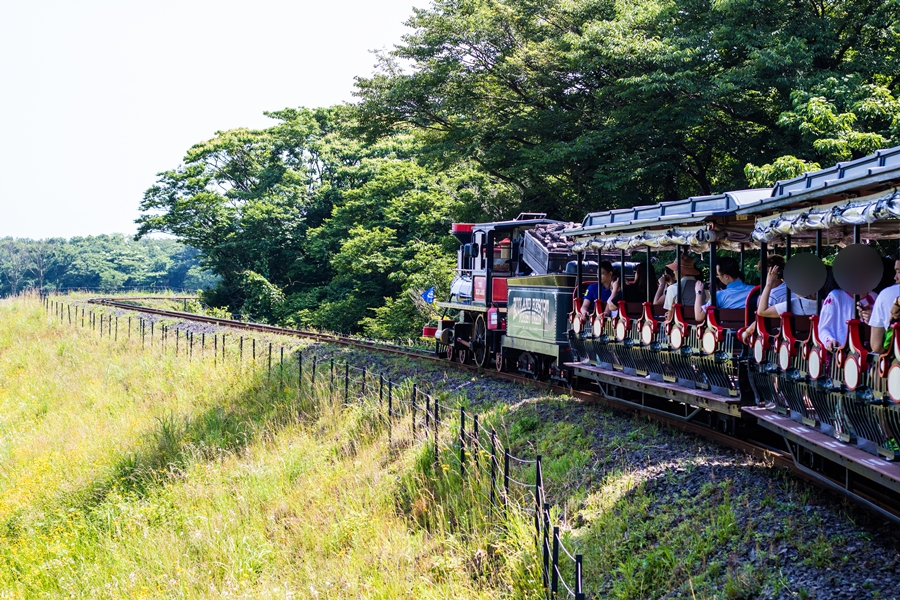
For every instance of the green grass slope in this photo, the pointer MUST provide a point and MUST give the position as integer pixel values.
(129, 473)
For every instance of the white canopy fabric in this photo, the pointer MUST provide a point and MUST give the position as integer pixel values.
(699, 239)
(858, 211)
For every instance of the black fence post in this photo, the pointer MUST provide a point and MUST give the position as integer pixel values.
(554, 573)
(270, 361)
(223, 347)
(346, 383)
(412, 406)
(505, 477)
(364, 382)
(493, 468)
(281, 367)
(176, 341)
(437, 423)
(215, 348)
(473, 444)
(546, 546)
(579, 591)
(313, 378)
(332, 379)
(381, 389)
(462, 442)
(538, 493)
(254, 351)
(427, 411)
(202, 344)
(390, 411)
(191, 347)
(152, 327)
(299, 370)
(101, 324)
(116, 338)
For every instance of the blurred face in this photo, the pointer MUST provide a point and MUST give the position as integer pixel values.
(897, 271)
(605, 277)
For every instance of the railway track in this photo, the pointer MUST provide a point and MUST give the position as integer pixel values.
(758, 449)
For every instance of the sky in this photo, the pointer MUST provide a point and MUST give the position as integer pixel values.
(97, 97)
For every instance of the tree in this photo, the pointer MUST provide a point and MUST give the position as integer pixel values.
(15, 264)
(586, 105)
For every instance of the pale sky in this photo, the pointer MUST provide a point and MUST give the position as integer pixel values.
(96, 97)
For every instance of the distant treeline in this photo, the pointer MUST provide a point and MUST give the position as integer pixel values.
(107, 262)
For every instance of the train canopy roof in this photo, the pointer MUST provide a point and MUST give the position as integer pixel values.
(859, 192)
(688, 222)
(523, 220)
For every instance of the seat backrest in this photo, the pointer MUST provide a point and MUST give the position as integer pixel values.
(801, 327)
(635, 310)
(731, 318)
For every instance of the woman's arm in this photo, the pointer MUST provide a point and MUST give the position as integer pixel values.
(699, 296)
(771, 282)
(660, 296)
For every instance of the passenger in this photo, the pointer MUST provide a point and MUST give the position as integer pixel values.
(595, 291)
(662, 285)
(689, 274)
(837, 309)
(885, 312)
(800, 305)
(779, 292)
(634, 292)
(888, 275)
(734, 295)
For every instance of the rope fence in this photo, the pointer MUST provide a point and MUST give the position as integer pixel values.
(454, 432)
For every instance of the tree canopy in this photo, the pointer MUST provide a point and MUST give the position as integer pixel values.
(335, 217)
(595, 103)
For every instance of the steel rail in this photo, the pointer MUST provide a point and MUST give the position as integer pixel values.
(780, 458)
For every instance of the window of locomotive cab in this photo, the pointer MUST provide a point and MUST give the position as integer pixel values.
(480, 261)
(502, 264)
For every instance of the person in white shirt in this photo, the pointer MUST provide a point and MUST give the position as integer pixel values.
(689, 273)
(885, 311)
(800, 305)
(837, 309)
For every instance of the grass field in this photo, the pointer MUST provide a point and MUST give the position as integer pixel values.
(132, 473)
(129, 473)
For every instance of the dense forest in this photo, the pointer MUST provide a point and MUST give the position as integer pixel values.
(105, 262)
(337, 217)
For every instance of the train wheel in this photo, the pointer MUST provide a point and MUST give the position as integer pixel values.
(462, 355)
(500, 361)
(450, 353)
(479, 342)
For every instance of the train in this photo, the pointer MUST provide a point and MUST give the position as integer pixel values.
(519, 286)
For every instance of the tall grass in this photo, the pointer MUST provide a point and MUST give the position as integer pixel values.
(130, 473)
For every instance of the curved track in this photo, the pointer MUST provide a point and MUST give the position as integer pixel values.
(778, 457)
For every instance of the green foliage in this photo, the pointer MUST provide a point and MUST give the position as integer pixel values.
(784, 167)
(262, 299)
(107, 262)
(489, 108)
(342, 229)
(591, 104)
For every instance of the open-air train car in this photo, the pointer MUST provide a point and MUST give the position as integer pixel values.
(836, 410)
